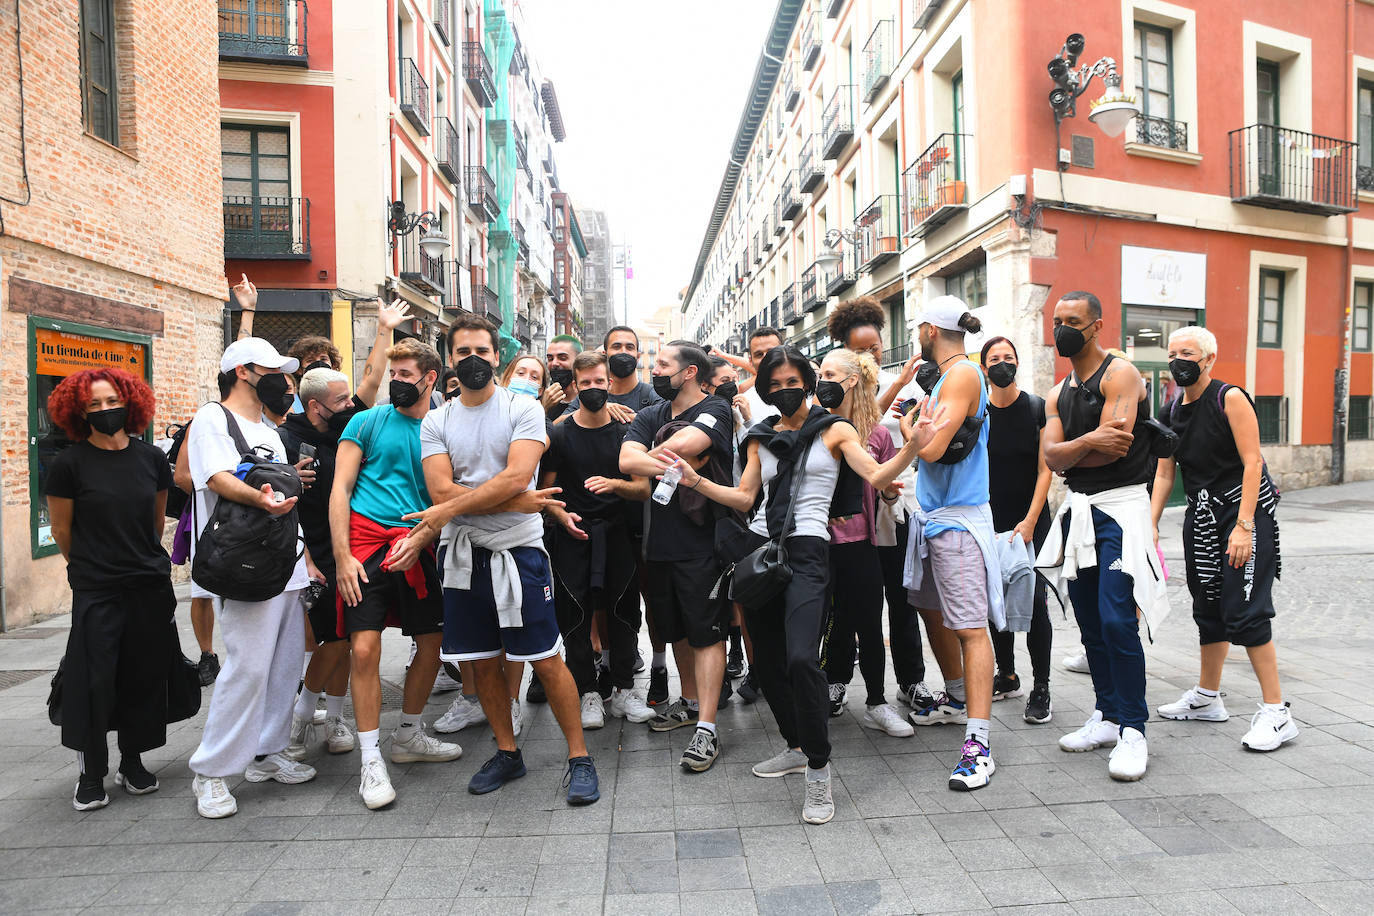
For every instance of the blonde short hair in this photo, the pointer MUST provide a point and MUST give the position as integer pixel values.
(315, 384)
(1206, 341)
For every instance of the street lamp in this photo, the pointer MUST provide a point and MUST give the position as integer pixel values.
(1112, 112)
(433, 242)
(830, 255)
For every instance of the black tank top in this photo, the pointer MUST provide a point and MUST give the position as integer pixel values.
(1014, 450)
(1206, 453)
(1080, 412)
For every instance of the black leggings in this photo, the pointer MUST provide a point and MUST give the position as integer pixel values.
(903, 623)
(856, 606)
(1040, 639)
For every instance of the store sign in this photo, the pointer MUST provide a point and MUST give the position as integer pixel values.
(60, 353)
(1155, 276)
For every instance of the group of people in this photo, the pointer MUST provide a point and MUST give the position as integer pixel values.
(543, 519)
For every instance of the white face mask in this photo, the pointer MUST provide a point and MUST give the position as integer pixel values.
(523, 386)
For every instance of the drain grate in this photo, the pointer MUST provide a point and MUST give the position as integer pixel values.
(35, 632)
(15, 678)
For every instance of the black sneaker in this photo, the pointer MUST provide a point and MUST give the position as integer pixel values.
(135, 778)
(581, 782)
(603, 682)
(639, 661)
(837, 694)
(727, 690)
(208, 667)
(658, 687)
(496, 772)
(734, 666)
(701, 752)
(674, 715)
(749, 690)
(1038, 707)
(1007, 687)
(917, 695)
(535, 692)
(89, 794)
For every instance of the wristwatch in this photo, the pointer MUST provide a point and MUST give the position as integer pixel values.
(1247, 523)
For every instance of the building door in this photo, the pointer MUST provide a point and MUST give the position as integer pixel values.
(1267, 133)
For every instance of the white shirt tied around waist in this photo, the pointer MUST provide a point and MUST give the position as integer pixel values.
(505, 573)
(1061, 558)
(977, 521)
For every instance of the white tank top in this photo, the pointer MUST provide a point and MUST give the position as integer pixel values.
(812, 515)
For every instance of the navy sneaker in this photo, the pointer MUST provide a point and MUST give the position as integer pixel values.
(496, 772)
(580, 781)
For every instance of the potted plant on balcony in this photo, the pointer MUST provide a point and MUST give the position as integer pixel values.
(951, 192)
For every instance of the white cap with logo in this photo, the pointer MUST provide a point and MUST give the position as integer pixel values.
(257, 352)
(943, 312)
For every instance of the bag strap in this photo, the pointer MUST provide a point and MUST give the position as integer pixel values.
(798, 478)
(235, 433)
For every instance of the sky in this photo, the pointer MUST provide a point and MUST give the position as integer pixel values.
(651, 93)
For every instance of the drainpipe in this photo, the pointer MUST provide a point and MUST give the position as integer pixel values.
(3, 614)
(1341, 387)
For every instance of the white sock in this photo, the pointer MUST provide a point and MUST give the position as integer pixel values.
(409, 724)
(309, 654)
(1204, 692)
(367, 744)
(955, 688)
(333, 706)
(979, 728)
(305, 703)
(1280, 706)
(709, 726)
(660, 660)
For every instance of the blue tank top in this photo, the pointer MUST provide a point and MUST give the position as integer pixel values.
(962, 484)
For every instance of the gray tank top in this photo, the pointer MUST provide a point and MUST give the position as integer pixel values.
(812, 515)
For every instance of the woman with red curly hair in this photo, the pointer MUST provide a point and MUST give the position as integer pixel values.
(106, 495)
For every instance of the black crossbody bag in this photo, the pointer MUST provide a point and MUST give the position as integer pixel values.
(765, 572)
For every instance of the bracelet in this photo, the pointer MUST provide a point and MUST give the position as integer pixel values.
(695, 485)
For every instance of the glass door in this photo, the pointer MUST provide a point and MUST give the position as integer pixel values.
(1267, 133)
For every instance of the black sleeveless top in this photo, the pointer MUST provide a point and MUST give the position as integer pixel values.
(1206, 453)
(1080, 412)
(1014, 450)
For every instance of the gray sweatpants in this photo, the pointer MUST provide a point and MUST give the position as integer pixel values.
(250, 711)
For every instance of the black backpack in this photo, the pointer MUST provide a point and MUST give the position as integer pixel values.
(176, 496)
(246, 553)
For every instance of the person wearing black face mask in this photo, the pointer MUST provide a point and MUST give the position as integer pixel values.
(106, 499)
(558, 393)
(276, 391)
(628, 395)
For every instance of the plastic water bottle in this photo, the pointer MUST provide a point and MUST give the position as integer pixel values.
(667, 485)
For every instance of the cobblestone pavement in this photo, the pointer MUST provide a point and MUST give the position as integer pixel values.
(1211, 829)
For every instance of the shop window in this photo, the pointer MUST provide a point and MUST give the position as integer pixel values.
(1145, 331)
(1270, 330)
(1358, 424)
(1272, 413)
(971, 285)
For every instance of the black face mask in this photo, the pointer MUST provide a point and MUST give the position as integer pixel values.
(593, 398)
(829, 394)
(787, 400)
(109, 421)
(664, 388)
(317, 364)
(273, 393)
(727, 390)
(623, 365)
(1069, 342)
(1185, 371)
(927, 376)
(403, 393)
(453, 393)
(338, 420)
(563, 377)
(1002, 374)
(474, 372)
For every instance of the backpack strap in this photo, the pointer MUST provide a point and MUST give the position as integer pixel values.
(235, 433)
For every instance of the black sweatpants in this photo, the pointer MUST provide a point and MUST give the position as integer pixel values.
(856, 607)
(903, 623)
(787, 639)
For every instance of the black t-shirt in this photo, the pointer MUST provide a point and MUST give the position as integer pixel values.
(1080, 412)
(672, 535)
(313, 505)
(637, 398)
(1014, 453)
(576, 453)
(114, 509)
(1207, 454)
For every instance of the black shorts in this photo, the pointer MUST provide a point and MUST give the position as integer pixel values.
(388, 599)
(678, 594)
(324, 616)
(1231, 605)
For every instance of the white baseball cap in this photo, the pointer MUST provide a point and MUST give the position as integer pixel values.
(943, 312)
(257, 352)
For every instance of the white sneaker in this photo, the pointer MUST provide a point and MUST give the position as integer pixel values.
(302, 736)
(1129, 757)
(818, 807)
(1193, 705)
(789, 761)
(318, 717)
(1270, 728)
(375, 787)
(515, 717)
(213, 799)
(463, 711)
(1078, 664)
(629, 704)
(593, 710)
(1096, 732)
(338, 736)
(422, 747)
(884, 718)
(445, 682)
(278, 766)
(837, 696)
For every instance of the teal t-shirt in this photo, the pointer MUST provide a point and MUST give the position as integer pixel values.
(391, 482)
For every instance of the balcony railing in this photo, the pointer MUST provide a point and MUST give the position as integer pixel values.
(522, 247)
(522, 329)
(267, 228)
(877, 233)
(841, 276)
(791, 88)
(923, 11)
(811, 296)
(1162, 132)
(787, 304)
(895, 357)
(446, 150)
(414, 96)
(934, 185)
(791, 201)
(768, 227)
(757, 248)
(481, 193)
(837, 125)
(426, 274)
(263, 31)
(452, 298)
(877, 60)
(810, 167)
(811, 40)
(1285, 169)
(832, 8)
(443, 20)
(484, 300)
(522, 150)
(478, 73)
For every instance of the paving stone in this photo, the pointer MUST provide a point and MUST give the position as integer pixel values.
(786, 901)
(869, 898)
(708, 844)
(1016, 887)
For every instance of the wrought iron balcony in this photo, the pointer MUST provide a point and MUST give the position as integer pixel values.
(478, 73)
(443, 20)
(810, 167)
(1161, 132)
(768, 227)
(877, 60)
(522, 150)
(832, 8)
(414, 96)
(837, 125)
(484, 300)
(934, 185)
(894, 358)
(555, 289)
(923, 11)
(810, 295)
(787, 304)
(267, 228)
(877, 233)
(1285, 169)
(811, 40)
(841, 276)
(481, 193)
(446, 150)
(522, 247)
(791, 201)
(757, 248)
(426, 274)
(263, 31)
(522, 329)
(452, 299)
(791, 88)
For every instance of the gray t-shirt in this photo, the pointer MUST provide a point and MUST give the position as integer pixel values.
(477, 441)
